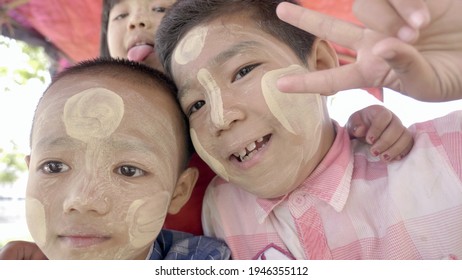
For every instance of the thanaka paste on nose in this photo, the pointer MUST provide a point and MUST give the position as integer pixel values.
(213, 96)
(190, 47)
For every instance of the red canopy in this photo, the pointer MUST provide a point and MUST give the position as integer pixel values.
(74, 26)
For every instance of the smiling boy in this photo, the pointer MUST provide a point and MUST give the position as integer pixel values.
(109, 155)
(295, 185)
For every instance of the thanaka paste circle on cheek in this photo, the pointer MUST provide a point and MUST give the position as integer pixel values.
(211, 161)
(288, 107)
(144, 225)
(36, 220)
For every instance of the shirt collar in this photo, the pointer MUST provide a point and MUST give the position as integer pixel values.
(329, 182)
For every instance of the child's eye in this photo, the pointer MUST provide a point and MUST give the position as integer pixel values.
(120, 16)
(52, 167)
(159, 9)
(129, 171)
(244, 71)
(195, 107)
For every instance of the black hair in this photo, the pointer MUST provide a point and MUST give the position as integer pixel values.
(117, 69)
(187, 14)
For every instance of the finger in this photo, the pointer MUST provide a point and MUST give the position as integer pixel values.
(325, 82)
(414, 12)
(409, 66)
(402, 19)
(323, 26)
(400, 148)
(379, 132)
(356, 126)
(389, 136)
(378, 15)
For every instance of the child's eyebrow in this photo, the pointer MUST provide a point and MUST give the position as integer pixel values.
(233, 51)
(50, 141)
(131, 145)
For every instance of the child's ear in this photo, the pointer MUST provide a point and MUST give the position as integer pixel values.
(27, 160)
(323, 56)
(183, 189)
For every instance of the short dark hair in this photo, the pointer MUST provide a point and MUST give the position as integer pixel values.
(106, 10)
(117, 69)
(187, 14)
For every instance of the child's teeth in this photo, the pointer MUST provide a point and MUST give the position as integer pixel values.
(260, 140)
(251, 146)
(242, 153)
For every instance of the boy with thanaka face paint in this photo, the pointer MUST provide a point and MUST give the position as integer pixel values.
(295, 186)
(127, 28)
(108, 161)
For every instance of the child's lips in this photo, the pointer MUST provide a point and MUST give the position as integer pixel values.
(83, 240)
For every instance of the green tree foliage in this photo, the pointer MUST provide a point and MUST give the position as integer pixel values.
(31, 63)
(20, 64)
(11, 165)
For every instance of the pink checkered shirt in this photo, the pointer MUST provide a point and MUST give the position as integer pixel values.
(354, 206)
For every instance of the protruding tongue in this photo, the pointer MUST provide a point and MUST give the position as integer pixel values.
(139, 53)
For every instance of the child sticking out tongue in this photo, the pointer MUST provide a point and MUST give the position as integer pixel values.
(140, 52)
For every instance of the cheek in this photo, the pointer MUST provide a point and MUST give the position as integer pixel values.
(114, 41)
(36, 220)
(216, 166)
(146, 217)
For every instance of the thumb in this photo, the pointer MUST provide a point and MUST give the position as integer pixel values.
(356, 126)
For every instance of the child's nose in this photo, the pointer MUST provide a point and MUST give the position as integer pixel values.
(140, 20)
(225, 112)
(86, 196)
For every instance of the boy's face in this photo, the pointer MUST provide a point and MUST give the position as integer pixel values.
(105, 159)
(131, 29)
(241, 125)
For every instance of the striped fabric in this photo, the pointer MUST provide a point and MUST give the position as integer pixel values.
(354, 206)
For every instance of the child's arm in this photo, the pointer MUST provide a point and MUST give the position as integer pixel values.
(428, 69)
(21, 250)
(383, 130)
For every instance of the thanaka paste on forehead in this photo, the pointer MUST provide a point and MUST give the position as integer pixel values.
(94, 113)
(190, 47)
(211, 161)
(213, 96)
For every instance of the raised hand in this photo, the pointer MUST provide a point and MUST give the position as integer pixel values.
(429, 69)
(383, 130)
